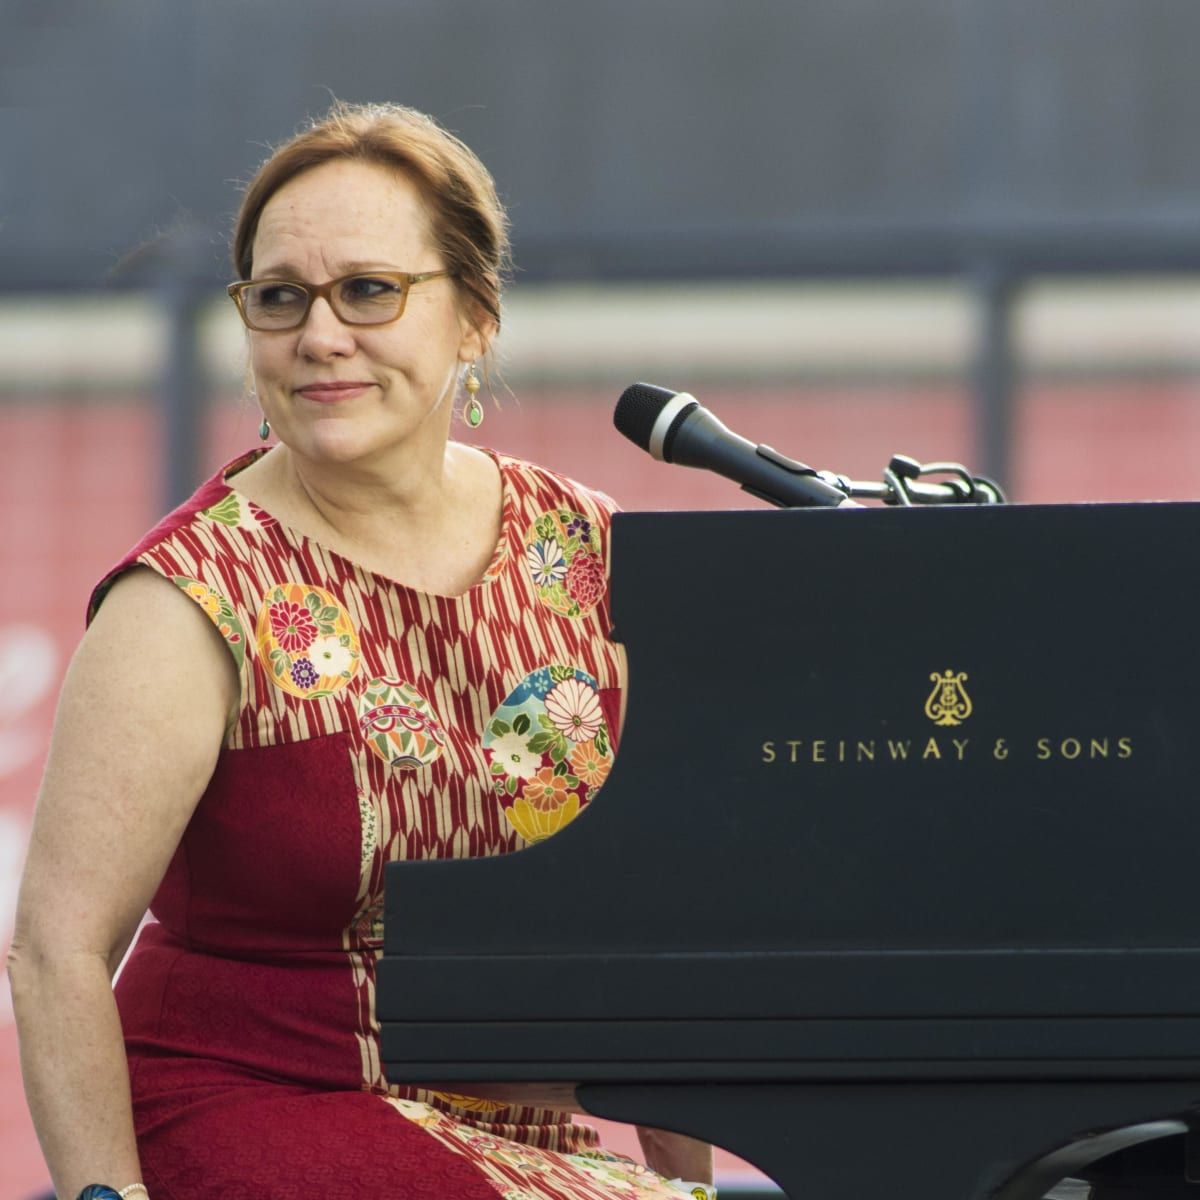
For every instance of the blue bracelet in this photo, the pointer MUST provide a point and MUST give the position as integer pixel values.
(98, 1191)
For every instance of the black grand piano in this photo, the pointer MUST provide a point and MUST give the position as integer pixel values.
(893, 890)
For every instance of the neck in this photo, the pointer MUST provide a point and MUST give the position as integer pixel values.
(433, 526)
(366, 502)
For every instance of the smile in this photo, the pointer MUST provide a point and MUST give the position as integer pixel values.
(332, 393)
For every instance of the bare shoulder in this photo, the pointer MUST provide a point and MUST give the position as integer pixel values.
(145, 627)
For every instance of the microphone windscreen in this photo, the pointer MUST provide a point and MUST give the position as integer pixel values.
(638, 409)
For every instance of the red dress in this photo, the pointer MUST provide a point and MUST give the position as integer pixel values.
(376, 723)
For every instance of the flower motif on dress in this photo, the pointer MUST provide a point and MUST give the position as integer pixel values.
(512, 752)
(585, 581)
(574, 710)
(579, 527)
(330, 656)
(208, 598)
(589, 764)
(226, 511)
(292, 625)
(536, 685)
(235, 511)
(306, 640)
(546, 562)
(548, 749)
(546, 791)
(399, 724)
(220, 612)
(303, 675)
(562, 552)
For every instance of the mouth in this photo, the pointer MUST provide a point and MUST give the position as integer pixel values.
(332, 393)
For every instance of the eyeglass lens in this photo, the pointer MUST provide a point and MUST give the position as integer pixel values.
(359, 300)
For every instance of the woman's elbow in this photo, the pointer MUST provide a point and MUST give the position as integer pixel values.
(35, 968)
(21, 968)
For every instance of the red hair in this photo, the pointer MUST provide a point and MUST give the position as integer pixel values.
(469, 225)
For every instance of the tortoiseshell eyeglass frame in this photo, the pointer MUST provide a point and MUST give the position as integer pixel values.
(325, 291)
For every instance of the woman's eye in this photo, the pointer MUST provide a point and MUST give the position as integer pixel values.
(369, 287)
(279, 296)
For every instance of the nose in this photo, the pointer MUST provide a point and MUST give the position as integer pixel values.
(323, 335)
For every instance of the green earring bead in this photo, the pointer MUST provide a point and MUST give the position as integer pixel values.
(474, 413)
(264, 430)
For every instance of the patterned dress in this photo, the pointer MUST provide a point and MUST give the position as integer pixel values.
(376, 723)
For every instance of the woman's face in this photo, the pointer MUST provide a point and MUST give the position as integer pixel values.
(339, 219)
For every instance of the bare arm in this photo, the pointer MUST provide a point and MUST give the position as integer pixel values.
(138, 730)
(676, 1156)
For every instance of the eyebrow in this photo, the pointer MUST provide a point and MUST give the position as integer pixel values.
(288, 271)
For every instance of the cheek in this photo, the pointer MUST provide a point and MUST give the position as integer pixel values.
(418, 352)
(268, 361)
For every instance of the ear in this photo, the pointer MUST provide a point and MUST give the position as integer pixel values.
(476, 343)
(478, 333)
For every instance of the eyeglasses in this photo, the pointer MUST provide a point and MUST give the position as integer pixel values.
(375, 298)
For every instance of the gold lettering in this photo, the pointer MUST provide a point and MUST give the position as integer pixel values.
(768, 752)
(1043, 749)
(1069, 753)
(818, 750)
(932, 750)
(1000, 750)
(899, 750)
(865, 752)
(961, 747)
(1099, 748)
(841, 750)
(1125, 747)
(795, 746)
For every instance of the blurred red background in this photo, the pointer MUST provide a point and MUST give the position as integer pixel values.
(83, 480)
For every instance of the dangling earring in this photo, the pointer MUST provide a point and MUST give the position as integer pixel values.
(264, 430)
(474, 413)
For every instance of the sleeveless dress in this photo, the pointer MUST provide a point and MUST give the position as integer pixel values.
(376, 723)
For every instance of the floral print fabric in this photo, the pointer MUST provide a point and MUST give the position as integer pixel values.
(563, 556)
(520, 1173)
(220, 612)
(306, 640)
(548, 749)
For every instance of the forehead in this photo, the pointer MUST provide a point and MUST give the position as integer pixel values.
(341, 213)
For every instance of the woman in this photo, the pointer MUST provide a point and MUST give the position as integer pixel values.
(365, 643)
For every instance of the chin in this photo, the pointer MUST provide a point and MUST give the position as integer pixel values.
(336, 441)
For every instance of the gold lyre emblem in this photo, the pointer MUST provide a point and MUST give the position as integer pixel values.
(948, 703)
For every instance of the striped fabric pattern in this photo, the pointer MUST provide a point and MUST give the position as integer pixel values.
(474, 722)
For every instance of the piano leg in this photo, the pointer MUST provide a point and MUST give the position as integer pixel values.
(1161, 1168)
(891, 1141)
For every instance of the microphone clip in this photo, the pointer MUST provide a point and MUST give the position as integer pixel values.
(901, 484)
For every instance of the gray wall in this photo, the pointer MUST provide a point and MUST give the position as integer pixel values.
(630, 137)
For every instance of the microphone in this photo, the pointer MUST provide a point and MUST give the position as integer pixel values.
(674, 427)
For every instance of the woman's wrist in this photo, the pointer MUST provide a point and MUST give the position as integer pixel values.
(102, 1191)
